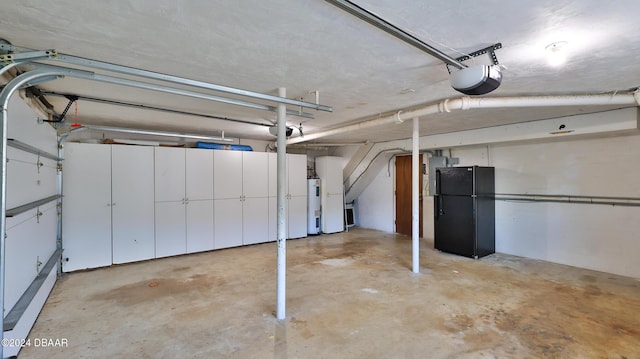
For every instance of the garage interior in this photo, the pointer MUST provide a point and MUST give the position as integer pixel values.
(161, 160)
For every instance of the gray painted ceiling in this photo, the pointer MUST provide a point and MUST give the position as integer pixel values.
(310, 45)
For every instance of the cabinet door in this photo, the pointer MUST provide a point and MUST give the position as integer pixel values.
(255, 174)
(332, 216)
(255, 220)
(199, 174)
(272, 234)
(170, 229)
(273, 173)
(227, 174)
(297, 217)
(228, 223)
(86, 220)
(169, 174)
(132, 194)
(199, 226)
(297, 173)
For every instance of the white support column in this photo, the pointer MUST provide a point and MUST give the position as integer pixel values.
(415, 197)
(282, 210)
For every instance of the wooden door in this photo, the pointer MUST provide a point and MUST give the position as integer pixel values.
(403, 194)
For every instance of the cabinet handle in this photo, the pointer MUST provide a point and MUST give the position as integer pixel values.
(108, 204)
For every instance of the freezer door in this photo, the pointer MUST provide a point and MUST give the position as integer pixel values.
(455, 225)
(485, 181)
(457, 181)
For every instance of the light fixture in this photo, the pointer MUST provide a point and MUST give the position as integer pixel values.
(556, 53)
(274, 131)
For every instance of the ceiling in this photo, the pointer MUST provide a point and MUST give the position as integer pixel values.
(311, 46)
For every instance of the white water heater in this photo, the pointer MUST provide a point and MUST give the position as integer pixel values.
(313, 206)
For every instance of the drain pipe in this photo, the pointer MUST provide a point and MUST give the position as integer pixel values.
(468, 103)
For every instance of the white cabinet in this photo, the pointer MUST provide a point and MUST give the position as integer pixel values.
(227, 173)
(199, 225)
(255, 220)
(132, 203)
(199, 200)
(86, 218)
(241, 198)
(169, 174)
(184, 201)
(108, 205)
(227, 192)
(228, 223)
(329, 170)
(296, 196)
(170, 216)
(170, 229)
(255, 200)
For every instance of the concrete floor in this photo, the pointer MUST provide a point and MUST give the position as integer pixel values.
(350, 295)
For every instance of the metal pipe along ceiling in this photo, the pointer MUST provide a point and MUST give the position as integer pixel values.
(468, 103)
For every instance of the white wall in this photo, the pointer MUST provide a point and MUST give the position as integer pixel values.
(375, 206)
(598, 237)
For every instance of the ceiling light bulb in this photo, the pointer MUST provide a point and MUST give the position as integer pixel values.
(556, 53)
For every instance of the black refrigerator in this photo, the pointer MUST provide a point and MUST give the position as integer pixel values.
(465, 211)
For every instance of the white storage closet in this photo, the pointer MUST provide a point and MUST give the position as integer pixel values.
(131, 203)
(108, 205)
(296, 196)
(241, 198)
(184, 200)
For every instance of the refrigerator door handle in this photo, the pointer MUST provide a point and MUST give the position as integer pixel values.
(440, 206)
(438, 179)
